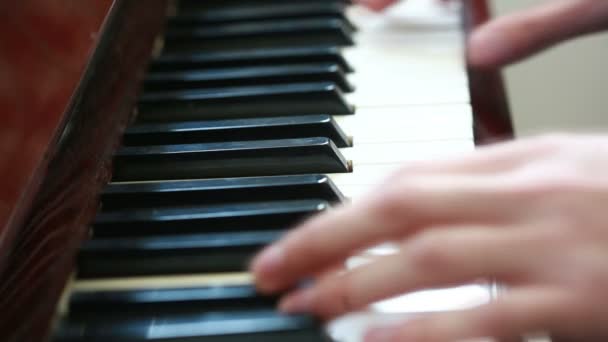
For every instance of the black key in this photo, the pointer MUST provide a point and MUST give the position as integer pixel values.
(239, 102)
(265, 326)
(181, 254)
(229, 159)
(239, 217)
(222, 15)
(193, 132)
(142, 302)
(250, 57)
(277, 33)
(218, 191)
(259, 75)
(186, 6)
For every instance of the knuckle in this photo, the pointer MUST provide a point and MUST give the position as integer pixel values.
(492, 322)
(559, 183)
(558, 234)
(430, 252)
(394, 203)
(308, 240)
(539, 184)
(340, 298)
(297, 245)
(422, 329)
(346, 301)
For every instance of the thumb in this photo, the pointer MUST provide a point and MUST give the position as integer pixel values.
(514, 37)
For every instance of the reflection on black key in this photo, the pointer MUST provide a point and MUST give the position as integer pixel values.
(259, 75)
(288, 10)
(229, 159)
(265, 326)
(141, 302)
(239, 217)
(277, 33)
(217, 191)
(238, 102)
(182, 254)
(193, 132)
(250, 57)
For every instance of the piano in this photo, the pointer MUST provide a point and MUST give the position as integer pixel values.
(151, 148)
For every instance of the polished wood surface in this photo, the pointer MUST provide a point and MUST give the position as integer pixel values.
(44, 48)
(70, 71)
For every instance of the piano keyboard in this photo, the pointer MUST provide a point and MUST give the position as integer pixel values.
(256, 115)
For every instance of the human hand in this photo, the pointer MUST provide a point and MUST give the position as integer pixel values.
(511, 38)
(531, 214)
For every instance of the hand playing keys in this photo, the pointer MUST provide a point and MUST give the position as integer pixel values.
(511, 38)
(532, 214)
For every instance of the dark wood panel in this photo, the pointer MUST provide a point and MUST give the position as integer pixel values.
(70, 72)
(44, 48)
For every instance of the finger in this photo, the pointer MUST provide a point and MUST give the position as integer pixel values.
(377, 5)
(523, 311)
(438, 258)
(392, 213)
(511, 38)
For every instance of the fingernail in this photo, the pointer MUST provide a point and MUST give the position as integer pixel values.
(267, 266)
(298, 302)
(382, 335)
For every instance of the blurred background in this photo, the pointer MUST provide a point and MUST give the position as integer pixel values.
(564, 89)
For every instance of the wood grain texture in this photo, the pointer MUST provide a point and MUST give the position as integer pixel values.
(71, 70)
(44, 48)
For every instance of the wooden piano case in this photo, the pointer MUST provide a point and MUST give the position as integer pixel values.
(69, 71)
(69, 74)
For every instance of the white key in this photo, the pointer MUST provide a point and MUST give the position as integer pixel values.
(396, 152)
(408, 123)
(352, 327)
(372, 163)
(365, 174)
(397, 66)
(425, 14)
